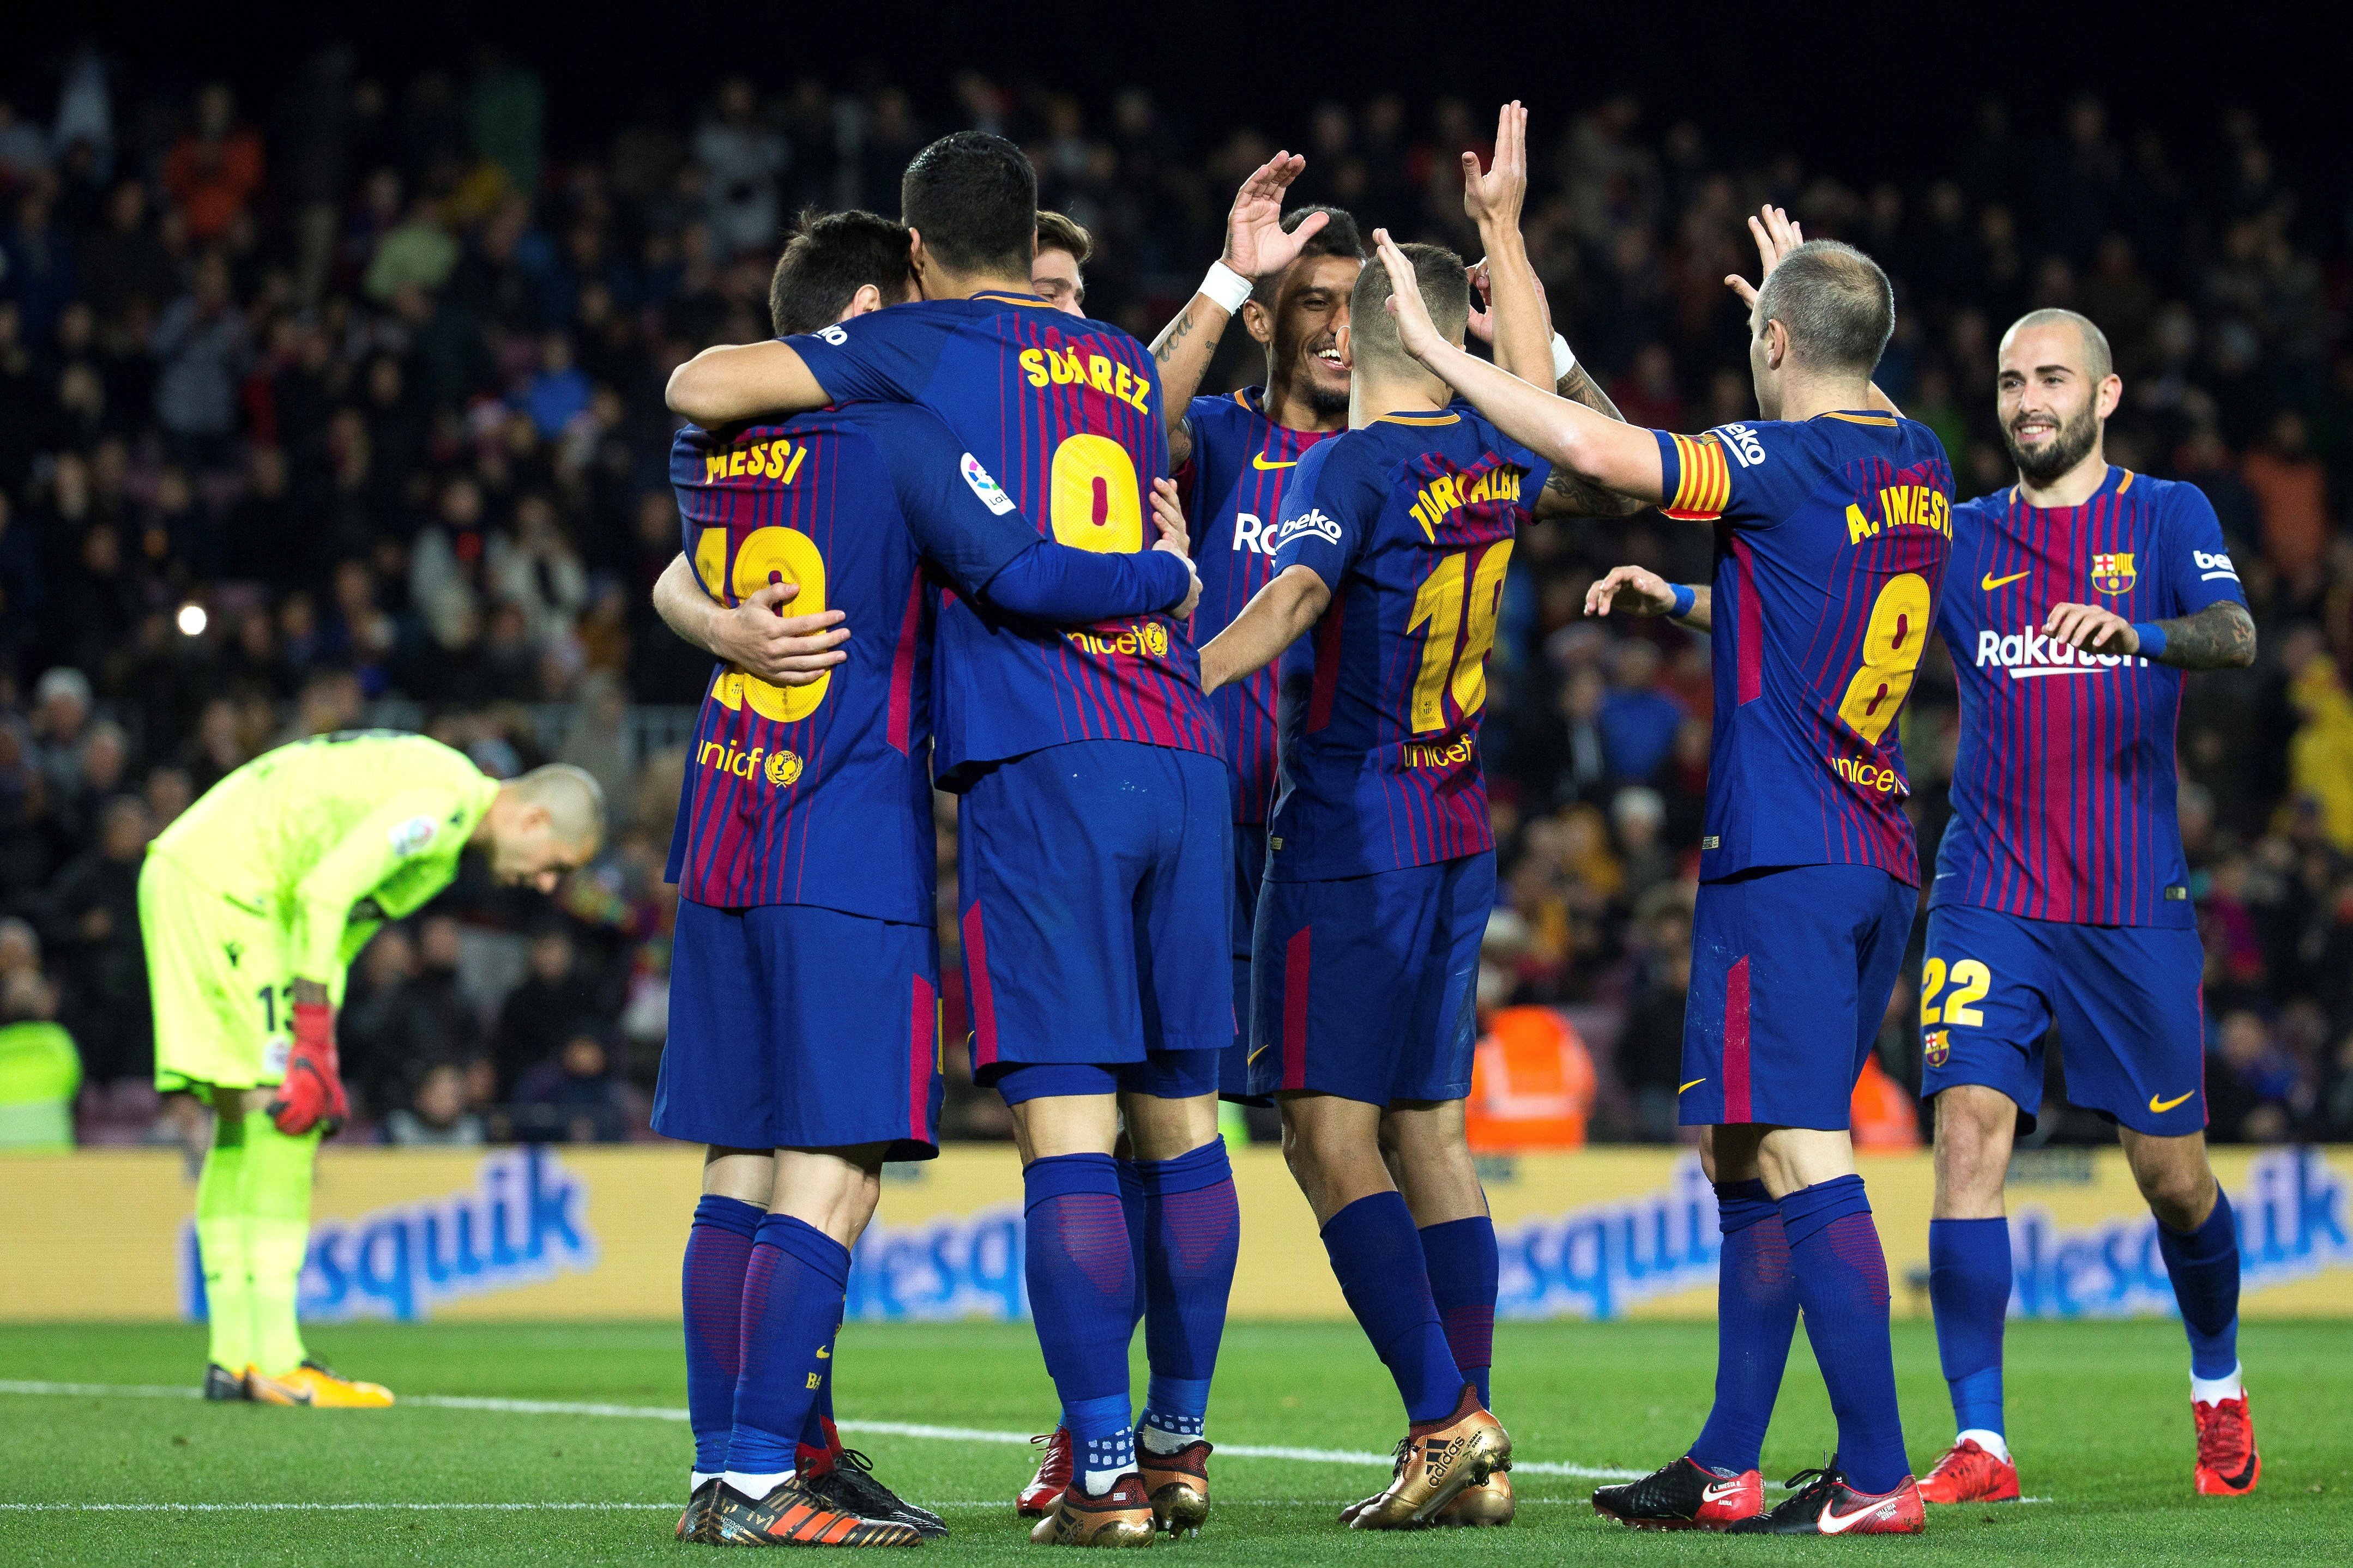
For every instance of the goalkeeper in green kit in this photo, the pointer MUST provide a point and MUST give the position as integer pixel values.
(252, 906)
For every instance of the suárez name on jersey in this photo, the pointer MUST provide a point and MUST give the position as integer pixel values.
(2027, 652)
(1067, 367)
(778, 460)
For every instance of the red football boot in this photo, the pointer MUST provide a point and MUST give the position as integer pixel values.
(1683, 1495)
(1821, 1504)
(1968, 1474)
(2228, 1465)
(1045, 1487)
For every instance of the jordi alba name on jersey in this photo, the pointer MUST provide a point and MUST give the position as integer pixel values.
(1410, 523)
(1232, 486)
(821, 793)
(1831, 535)
(1066, 414)
(2063, 787)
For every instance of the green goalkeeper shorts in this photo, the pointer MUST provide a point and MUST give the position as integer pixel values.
(216, 971)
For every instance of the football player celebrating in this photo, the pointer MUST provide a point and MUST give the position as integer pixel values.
(1833, 518)
(1063, 248)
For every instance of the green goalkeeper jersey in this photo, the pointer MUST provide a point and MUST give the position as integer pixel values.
(333, 836)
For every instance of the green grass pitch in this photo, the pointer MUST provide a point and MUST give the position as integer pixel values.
(2098, 1412)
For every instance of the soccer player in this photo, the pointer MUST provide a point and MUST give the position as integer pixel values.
(1063, 248)
(1094, 833)
(1392, 543)
(251, 906)
(2060, 893)
(803, 1047)
(1831, 516)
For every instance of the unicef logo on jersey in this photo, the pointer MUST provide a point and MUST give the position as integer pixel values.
(1311, 523)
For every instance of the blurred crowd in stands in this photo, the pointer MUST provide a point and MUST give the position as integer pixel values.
(339, 403)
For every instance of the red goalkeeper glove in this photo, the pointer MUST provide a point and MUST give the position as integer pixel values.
(312, 1092)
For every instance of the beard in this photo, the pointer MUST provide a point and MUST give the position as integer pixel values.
(2045, 463)
(1327, 403)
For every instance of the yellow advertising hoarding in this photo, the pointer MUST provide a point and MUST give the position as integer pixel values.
(596, 1233)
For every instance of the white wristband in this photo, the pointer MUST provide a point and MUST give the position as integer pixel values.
(1226, 286)
(1564, 358)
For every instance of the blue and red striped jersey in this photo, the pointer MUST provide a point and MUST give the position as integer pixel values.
(1410, 523)
(822, 795)
(2063, 787)
(1232, 485)
(1066, 412)
(1831, 535)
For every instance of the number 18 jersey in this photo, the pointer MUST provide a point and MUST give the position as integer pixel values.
(1831, 535)
(1410, 523)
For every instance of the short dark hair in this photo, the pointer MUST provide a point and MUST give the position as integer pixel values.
(1445, 289)
(1056, 232)
(1337, 238)
(1835, 302)
(972, 196)
(829, 258)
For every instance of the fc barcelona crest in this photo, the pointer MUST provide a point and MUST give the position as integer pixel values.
(2113, 573)
(1940, 1047)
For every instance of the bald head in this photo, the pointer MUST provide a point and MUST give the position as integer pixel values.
(2096, 363)
(573, 799)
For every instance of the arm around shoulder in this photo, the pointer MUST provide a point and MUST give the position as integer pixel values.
(731, 382)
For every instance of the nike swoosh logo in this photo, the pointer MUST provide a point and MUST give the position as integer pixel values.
(2160, 1107)
(1258, 460)
(1721, 1489)
(1832, 1522)
(1257, 1053)
(1989, 582)
(1693, 1084)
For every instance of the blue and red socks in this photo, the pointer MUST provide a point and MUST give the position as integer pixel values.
(1842, 1276)
(1459, 1256)
(710, 1285)
(1130, 1203)
(1190, 1234)
(793, 1294)
(819, 1448)
(2203, 1265)
(1081, 1269)
(1969, 1285)
(1377, 1256)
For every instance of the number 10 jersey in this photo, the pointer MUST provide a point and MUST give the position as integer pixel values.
(1831, 536)
(1066, 412)
(1410, 521)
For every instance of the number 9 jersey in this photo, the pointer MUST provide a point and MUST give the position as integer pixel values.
(1831, 535)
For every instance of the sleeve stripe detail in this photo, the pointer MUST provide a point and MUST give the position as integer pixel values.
(1703, 486)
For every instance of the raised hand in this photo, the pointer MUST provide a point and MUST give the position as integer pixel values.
(1482, 314)
(1632, 590)
(1493, 200)
(1777, 233)
(1416, 331)
(1256, 246)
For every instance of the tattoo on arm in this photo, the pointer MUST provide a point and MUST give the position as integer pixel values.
(1181, 443)
(1579, 388)
(2220, 637)
(1181, 328)
(1566, 495)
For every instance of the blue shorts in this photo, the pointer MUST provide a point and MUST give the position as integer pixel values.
(1167, 1074)
(797, 1027)
(1367, 988)
(1791, 970)
(1095, 880)
(1250, 871)
(2127, 999)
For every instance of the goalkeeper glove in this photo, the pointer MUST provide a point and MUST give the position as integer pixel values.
(312, 1092)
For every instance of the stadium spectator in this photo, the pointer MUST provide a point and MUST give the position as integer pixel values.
(574, 1097)
(438, 1117)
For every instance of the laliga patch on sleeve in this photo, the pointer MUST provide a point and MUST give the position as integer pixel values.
(992, 495)
(411, 836)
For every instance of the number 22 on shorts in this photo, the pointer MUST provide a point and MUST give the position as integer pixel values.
(1970, 979)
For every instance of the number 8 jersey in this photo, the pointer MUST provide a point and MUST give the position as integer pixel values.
(1410, 523)
(1831, 535)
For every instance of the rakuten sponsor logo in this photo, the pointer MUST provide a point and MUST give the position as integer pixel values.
(2027, 653)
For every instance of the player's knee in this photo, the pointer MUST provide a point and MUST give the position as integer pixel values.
(2180, 1193)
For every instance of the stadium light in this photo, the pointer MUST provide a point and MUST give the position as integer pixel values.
(192, 620)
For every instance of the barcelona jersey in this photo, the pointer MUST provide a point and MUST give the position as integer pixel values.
(2064, 788)
(821, 793)
(1065, 413)
(1232, 485)
(1410, 523)
(1831, 535)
